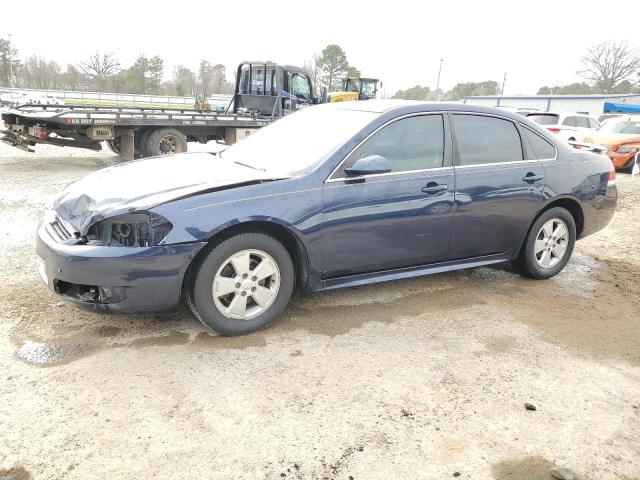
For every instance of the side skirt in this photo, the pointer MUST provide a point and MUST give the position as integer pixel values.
(386, 275)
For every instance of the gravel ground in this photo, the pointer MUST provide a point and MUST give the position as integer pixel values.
(412, 379)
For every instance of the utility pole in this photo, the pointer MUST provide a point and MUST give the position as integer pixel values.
(504, 80)
(10, 64)
(438, 82)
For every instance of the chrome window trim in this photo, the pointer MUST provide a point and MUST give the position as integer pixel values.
(393, 120)
(441, 112)
(354, 180)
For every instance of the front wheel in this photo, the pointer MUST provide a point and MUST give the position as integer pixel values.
(243, 284)
(548, 245)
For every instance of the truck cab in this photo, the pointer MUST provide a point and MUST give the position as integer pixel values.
(266, 88)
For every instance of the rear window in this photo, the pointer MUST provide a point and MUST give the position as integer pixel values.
(483, 140)
(545, 119)
(542, 149)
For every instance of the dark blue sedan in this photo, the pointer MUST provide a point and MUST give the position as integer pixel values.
(332, 196)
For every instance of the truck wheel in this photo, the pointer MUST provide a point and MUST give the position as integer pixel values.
(114, 145)
(165, 141)
(144, 140)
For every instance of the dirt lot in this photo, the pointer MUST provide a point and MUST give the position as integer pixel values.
(412, 379)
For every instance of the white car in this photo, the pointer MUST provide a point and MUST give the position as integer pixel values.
(11, 98)
(568, 126)
(42, 99)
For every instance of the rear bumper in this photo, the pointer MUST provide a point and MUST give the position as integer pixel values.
(115, 279)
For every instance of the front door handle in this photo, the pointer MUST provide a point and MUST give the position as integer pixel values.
(433, 187)
(532, 177)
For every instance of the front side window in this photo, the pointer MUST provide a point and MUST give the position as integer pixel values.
(414, 143)
(300, 86)
(483, 140)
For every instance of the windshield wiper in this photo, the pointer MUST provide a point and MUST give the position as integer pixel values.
(250, 166)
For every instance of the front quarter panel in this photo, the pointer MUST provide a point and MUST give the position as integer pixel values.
(295, 204)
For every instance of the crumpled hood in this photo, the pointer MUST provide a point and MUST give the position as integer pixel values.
(143, 184)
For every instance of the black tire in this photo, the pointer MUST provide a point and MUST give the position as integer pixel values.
(114, 145)
(144, 140)
(527, 263)
(165, 141)
(200, 297)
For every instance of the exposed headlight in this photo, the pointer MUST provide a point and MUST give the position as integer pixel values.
(627, 149)
(143, 229)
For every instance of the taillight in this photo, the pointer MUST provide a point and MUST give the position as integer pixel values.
(553, 129)
(611, 180)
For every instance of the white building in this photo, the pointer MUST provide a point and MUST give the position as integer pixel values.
(593, 105)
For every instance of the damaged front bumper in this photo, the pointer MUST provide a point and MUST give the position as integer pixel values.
(114, 279)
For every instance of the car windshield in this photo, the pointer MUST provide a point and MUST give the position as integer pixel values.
(624, 126)
(298, 142)
(544, 119)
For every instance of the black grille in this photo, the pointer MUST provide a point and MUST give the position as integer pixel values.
(58, 231)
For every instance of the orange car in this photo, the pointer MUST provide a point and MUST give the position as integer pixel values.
(621, 136)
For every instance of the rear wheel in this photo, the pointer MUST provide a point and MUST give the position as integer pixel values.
(165, 141)
(243, 284)
(549, 244)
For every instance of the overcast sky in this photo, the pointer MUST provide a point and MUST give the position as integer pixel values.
(536, 42)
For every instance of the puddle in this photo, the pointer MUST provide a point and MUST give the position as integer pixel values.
(50, 354)
(174, 337)
(527, 468)
(14, 473)
(108, 331)
(207, 340)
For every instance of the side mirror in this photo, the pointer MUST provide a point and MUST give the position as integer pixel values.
(368, 166)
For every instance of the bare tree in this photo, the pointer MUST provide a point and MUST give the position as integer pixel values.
(315, 72)
(99, 67)
(608, 64)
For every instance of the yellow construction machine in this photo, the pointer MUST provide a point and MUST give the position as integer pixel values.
(355, 88)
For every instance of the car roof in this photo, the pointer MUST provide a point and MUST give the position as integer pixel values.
(413, 106)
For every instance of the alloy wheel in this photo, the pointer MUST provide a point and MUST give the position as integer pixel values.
(551, 243)
(246, 284)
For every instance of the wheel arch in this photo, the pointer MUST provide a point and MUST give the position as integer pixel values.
(282, 232)
(568, 203)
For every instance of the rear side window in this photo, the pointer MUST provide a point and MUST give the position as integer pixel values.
(593, 123)
(582, 122)
(570, 122)
(542, 149)
(544, 119)
(414, 143)
(486, 140)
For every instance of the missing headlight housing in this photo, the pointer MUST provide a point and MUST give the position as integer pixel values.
(143, 229)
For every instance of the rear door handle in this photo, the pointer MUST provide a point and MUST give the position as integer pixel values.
(532, 177)
(433, 187)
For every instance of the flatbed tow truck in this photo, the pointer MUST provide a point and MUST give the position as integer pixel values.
(264, 92)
